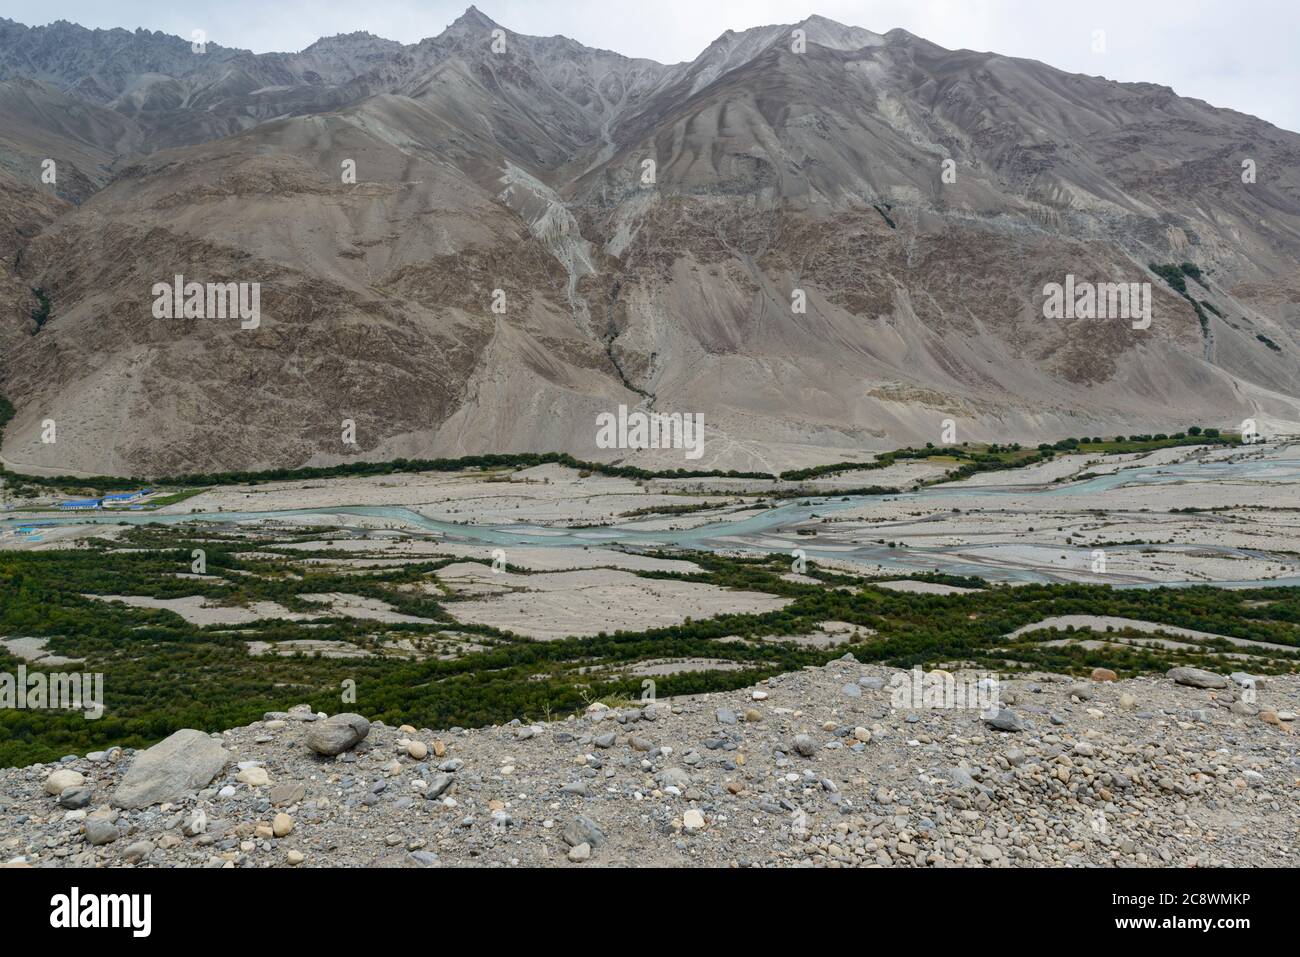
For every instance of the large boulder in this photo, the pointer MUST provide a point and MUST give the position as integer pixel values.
(337, 734)
(186, 761)
(1196, 678)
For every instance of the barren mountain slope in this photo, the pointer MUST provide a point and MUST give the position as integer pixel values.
(776, 173)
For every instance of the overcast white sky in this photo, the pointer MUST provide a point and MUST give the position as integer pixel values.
(1243, 54)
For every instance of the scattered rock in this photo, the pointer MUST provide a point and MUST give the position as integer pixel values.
(1004, 720)
(438, 784)
(283, 795)
(805, 745)
(100, 831)
(337, 734)
(76, 797)
(943, 790)
(674, 777)
(61, 780)
(253, 777)
(961, 778)
(583, 830)
(196, 825)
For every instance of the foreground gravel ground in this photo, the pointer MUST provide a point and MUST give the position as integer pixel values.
(808, 769)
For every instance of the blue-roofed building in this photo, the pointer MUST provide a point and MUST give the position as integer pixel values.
(122, 498)
(83, 505)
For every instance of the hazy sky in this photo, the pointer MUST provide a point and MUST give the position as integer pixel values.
(1243, 54)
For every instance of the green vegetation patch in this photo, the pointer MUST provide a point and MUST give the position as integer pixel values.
(162, 673)
(1174, 276)
(41, 314)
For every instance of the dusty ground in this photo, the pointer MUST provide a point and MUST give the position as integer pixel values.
(585, 603)
(925, 588)
(32, 650)
(813, 769)
(199, 611)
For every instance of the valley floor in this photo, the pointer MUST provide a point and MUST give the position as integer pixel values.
(1184, 515)
(673, 671)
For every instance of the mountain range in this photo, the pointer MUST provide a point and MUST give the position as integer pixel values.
(825, 240)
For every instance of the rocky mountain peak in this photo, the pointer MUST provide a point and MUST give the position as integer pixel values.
(473, 19)
(831, 33)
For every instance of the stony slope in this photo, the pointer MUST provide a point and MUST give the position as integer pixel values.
(521, 171)
(807, 769)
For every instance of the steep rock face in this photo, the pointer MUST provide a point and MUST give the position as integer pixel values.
(506, 266)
